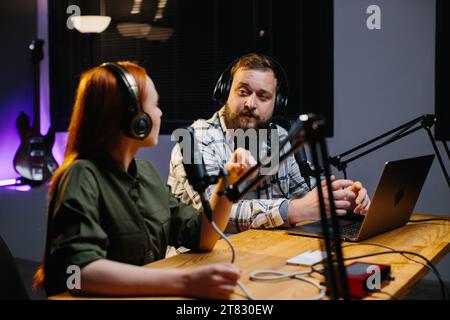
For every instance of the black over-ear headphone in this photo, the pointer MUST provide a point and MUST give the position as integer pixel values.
(136, 123)
(223, 85)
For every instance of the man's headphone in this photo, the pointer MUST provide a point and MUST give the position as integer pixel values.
(223, 85)
(136, 123)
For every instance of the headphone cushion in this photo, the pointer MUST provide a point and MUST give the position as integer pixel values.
(141, 125)
(222, 88)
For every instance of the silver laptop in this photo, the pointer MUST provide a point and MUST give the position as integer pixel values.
(392, 203)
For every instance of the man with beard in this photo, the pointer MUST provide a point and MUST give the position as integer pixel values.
(251, 90)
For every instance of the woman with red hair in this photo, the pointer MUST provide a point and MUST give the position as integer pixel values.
(110, 214)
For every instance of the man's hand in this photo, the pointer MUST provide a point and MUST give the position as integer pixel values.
(362, 201)
(308, 207)
(348, 195)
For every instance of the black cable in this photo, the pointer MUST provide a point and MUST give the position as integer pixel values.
(441, 282)
(429, 219)
(429, 264)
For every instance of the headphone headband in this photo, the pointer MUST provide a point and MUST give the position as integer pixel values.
(223, 85)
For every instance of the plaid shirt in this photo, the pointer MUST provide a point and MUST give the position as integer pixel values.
(265, 207)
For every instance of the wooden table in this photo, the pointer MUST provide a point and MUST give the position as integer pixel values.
(258, 249)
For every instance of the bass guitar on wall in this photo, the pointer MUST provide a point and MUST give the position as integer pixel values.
(34, 161)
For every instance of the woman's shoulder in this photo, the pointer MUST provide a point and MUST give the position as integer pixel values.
(80, 171)
(146, 168)
(82, 165)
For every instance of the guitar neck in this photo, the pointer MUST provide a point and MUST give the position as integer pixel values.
(36, 100)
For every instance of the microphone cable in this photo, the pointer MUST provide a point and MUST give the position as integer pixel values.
(271, 275)
(233, 257)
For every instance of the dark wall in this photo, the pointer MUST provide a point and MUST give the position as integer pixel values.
(207, 37)
(17, 29)
(442, 70)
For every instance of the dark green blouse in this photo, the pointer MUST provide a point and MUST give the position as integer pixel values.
(98, 211)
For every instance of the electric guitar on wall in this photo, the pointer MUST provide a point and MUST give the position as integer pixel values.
(34, 160)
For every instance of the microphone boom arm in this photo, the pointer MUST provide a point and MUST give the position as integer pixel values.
(426, 122)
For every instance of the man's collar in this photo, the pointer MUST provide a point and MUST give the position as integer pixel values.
(227, 132)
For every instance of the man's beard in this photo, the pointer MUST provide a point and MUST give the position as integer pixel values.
(236, 121)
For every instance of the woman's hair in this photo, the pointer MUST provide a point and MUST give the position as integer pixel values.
(98, 110)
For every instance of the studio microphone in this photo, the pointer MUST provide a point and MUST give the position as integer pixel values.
(193, 163)
(195, 169)
(305, 169)
(302, 161)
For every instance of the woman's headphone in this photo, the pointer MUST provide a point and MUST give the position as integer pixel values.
(136, 123)
(223, 85)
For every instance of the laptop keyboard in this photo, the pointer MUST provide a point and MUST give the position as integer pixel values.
(350, 230)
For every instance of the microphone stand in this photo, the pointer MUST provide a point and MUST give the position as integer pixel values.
(308, 129)
(426, 122)
(300, 156)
